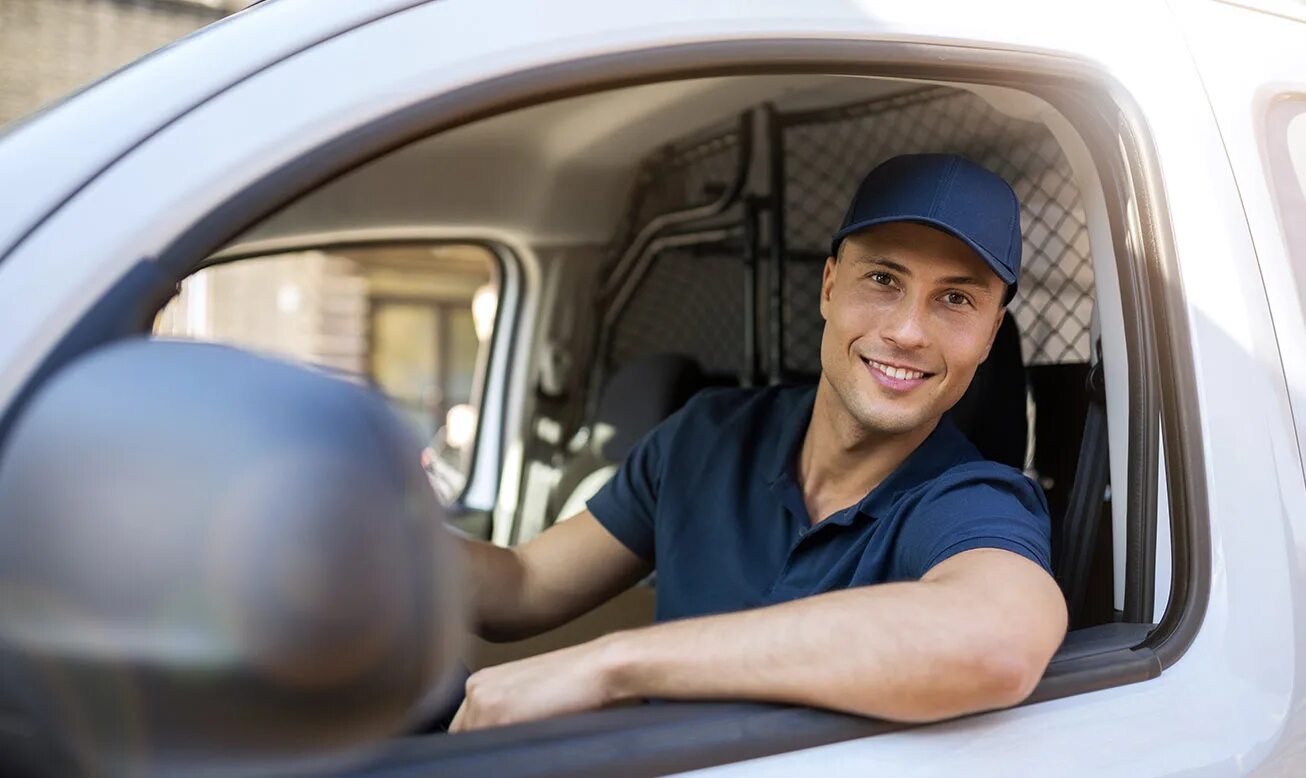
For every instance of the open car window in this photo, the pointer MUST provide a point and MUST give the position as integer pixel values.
(708, 246)
(596, 270)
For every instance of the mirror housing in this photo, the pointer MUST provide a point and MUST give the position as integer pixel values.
(211, 560)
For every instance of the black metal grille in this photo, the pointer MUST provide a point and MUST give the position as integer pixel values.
(690, 302)
(803, 322)
(682, 175)
(827, 153)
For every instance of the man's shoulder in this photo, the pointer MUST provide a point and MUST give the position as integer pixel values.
(982, 485)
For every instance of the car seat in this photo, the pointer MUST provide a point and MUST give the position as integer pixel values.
(992, 413)
(635, 400)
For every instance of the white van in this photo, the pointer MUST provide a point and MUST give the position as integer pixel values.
(508, 211)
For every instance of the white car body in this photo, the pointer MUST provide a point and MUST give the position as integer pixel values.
(112, 179)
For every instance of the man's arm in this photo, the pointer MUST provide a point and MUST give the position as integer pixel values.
(974, 634)
(570, 568)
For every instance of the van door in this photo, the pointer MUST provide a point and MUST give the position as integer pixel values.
(440, 64)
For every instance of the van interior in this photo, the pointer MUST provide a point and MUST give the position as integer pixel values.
(645, 242)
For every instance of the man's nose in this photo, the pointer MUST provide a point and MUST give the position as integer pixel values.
(906, 329)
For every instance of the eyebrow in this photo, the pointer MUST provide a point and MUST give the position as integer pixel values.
(878, 261)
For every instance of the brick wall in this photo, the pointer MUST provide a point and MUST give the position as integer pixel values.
(310, 307)
(48, 48)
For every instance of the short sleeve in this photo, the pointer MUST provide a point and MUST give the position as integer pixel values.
(627, 504)
(979, 505)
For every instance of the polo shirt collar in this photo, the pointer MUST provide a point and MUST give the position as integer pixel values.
(944, 447)
(784, 462)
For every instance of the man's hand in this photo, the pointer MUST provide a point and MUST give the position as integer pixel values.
(569, 680)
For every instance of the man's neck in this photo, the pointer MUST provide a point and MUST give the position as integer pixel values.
(840, 460)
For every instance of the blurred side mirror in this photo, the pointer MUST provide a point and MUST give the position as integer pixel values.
(211, 560)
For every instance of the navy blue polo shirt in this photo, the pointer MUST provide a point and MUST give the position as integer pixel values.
(712, 498)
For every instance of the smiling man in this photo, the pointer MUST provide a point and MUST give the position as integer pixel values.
(842, 546)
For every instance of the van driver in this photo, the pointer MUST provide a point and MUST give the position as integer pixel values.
(841, 546)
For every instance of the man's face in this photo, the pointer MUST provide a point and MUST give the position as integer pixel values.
(910, 313)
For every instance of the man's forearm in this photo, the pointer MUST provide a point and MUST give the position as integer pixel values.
(495, 580)
(562, 573)
(914, 651)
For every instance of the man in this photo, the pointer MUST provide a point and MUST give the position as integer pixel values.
(842, 547)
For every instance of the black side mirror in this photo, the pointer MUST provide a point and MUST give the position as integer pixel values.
(211, 560)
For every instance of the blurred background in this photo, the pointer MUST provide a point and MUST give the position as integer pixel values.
(410, 319)
(51, 47)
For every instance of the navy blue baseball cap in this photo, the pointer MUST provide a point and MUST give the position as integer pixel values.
(947, 192)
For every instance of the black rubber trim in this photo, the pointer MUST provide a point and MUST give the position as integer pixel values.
(686, 740)
(1096, 658)
(1103, 638)
(1140, 560)
(1095, 672)
(645, 740)
(1185, 474)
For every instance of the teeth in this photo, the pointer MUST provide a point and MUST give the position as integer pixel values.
(900, 373)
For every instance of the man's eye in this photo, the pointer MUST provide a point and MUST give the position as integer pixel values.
(957, 298)
(881, 278)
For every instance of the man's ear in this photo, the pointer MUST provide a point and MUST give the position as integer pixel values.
(827, 284)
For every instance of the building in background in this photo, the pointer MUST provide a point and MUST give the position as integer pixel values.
(412, 320)
(49, 48)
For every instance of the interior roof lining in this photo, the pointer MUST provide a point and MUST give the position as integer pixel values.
(559, 173)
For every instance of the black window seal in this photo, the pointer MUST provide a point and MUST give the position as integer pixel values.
(1154, 313)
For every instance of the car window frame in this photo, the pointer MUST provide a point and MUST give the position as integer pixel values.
(1121, 149)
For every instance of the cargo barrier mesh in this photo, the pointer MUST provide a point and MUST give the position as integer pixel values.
(828, 152)
(692, 301)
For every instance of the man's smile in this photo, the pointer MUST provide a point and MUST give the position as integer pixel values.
(899, 378)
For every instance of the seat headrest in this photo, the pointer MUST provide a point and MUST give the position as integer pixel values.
(992, 411)
(639, 396)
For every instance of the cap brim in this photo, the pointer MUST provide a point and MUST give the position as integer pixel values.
(997, 267)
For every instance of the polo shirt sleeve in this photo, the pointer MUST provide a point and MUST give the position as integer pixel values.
(627, 504)
(979, 505)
